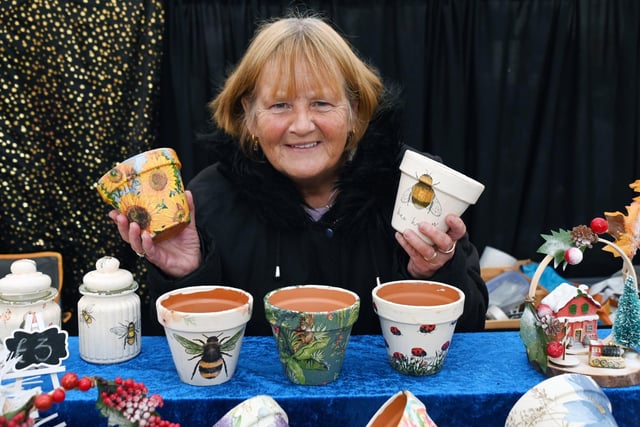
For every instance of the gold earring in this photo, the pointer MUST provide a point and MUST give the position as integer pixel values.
(255, 143)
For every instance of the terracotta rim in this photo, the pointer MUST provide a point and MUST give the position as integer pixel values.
(345, 298)
(237, 297)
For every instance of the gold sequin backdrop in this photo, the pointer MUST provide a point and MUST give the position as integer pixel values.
(78, 93)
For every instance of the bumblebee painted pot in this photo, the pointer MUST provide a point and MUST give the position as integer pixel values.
(571, 400)
(148, 189)
(311, 325)
(204, 326)
(418, 319)
(428, 191)
(402, 409)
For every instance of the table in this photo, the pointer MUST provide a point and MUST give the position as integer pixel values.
(484, 374)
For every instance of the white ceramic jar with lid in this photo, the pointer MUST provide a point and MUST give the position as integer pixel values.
(109, 314)
(27, 299)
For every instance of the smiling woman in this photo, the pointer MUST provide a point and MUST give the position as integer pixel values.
(304, 185)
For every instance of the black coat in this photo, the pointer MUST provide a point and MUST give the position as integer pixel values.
(251, 220)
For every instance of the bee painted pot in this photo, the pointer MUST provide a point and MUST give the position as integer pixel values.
(418, 319)
(311, 325)
(27, 295)
(428, 191)
(204, 326)
(403, 409)
(109, 318)
(571, 400)
(148, 189)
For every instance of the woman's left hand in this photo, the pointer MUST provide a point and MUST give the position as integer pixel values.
(426, 259)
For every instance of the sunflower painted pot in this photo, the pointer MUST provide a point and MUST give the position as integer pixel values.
(311, 325)
(148, 189)
(403, 409)
(418, 319)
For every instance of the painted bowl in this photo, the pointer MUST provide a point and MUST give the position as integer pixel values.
(148, 189)
(311, 325)
(204, 326)
(418, 319)
(259, 411)
(402, 409)
(571, 400)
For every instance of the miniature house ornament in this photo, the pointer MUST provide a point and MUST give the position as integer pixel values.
(108, 314)
(25, 294)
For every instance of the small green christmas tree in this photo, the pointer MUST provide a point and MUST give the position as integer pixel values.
(626, 326)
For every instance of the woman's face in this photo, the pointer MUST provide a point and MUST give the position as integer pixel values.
(303, 135)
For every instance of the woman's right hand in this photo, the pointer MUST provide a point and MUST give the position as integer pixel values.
(176, 256)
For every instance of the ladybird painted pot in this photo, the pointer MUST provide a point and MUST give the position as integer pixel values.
(403, 409)
(418, 319)
(428, 191)
(204, 326)
(148, 189)
(571, 400)
(311, 325)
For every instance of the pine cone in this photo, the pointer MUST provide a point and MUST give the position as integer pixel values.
(583, 236)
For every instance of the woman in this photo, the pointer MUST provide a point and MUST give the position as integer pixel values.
(306, 195)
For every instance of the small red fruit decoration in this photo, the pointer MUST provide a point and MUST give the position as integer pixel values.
(573, 256)
(69, 381)
(84, 384)
(43, 402)
(599, 225)
(555, 349)
(58, 395)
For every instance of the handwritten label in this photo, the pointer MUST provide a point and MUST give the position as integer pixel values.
(38, 348)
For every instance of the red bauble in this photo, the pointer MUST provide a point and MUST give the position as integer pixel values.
(599, 225)
(43, 402)
(555, 349)
(69, 381)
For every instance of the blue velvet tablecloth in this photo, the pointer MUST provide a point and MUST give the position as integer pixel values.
(483, 376)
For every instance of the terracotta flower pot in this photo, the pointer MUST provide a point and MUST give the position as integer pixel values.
(402, 409)
(204, 327)
(428, 191)
(312, 325)
(148, 189)
(418, 319)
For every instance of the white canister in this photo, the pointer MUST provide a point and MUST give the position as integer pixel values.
(109, 314)
(27, 300)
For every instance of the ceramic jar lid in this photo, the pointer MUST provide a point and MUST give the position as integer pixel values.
(108, 277)
(24, 281)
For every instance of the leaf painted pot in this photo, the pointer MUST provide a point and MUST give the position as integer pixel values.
(312, 325)
(418, 319)
(402, 409)
(571, 400)
(258, 411)
(428, 191)
(204, 326)
(148, 189)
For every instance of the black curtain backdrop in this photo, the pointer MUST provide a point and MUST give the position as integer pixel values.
(539, 100)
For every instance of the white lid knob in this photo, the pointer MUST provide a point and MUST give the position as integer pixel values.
(108, 276)
(24, 279)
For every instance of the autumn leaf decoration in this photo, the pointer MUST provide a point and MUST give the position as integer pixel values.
(625, 229)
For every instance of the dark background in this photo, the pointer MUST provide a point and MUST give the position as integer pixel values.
(538, 100)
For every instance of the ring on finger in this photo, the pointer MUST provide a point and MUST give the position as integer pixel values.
(451, 249)
(432, 257)
(141, 255)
